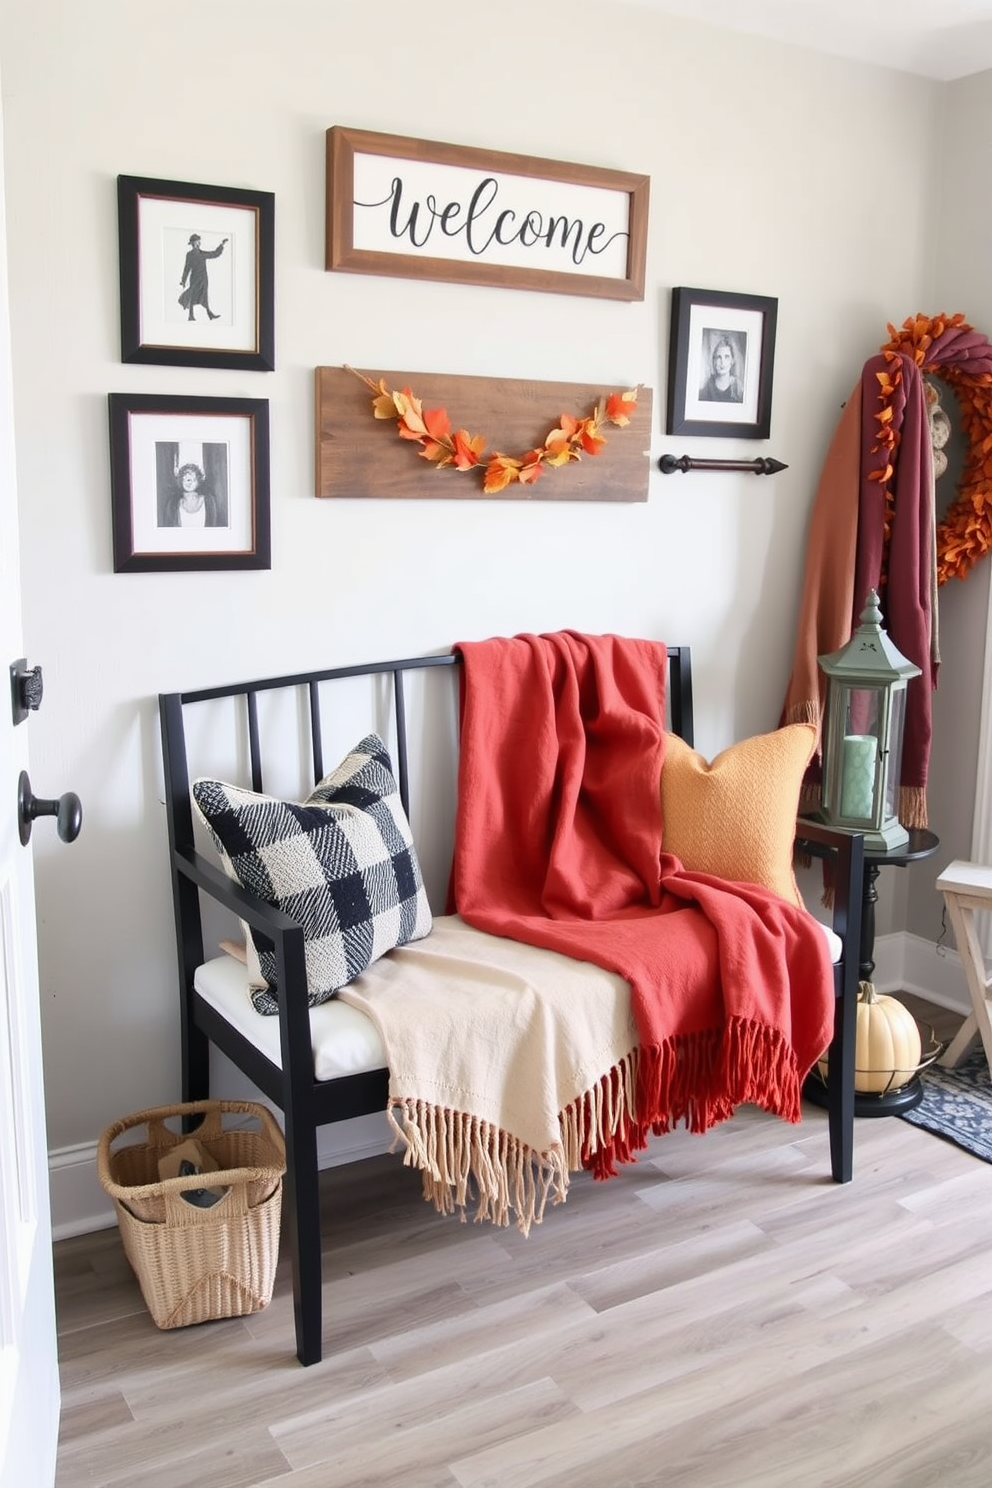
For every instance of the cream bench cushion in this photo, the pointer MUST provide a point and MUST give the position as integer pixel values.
(344, 1041)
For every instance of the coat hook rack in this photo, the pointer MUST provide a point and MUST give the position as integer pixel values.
(668, 464)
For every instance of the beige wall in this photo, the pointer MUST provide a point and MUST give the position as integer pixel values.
(773, 171)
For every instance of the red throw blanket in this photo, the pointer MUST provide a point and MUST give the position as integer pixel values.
(558, 844)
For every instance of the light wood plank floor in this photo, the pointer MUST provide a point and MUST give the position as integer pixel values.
(720, 1316)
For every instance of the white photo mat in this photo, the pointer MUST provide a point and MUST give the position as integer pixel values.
(165, 227)
(234, 432)
(707, 323)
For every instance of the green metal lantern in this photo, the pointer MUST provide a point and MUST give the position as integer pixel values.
(865, 719)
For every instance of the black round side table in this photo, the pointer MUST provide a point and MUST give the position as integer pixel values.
(893, 1102)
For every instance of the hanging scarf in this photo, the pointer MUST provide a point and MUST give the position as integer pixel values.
(859, 542)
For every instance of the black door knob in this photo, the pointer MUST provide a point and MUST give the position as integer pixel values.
(67, 810)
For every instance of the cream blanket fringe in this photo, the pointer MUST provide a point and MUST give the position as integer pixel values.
(466, 1160)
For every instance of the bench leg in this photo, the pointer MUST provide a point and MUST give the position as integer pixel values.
(840, 1087)
(301, 1220)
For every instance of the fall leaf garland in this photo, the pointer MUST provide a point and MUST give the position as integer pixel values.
(949, 347)
(456, 449)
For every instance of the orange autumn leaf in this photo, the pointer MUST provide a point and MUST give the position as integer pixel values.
(384, 406)
(567, 429)
(437, 422)
(406, 400)
(590, 438)
(411, 417)
(437, 453)
(530, 468)
(438, 446)
(620, 407)
(559, 452)
(501, 472)
(468, 449)
(560, 443)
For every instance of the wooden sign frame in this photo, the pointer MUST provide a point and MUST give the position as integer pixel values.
(427, 210)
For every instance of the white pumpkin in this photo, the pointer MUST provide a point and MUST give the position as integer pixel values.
(888, 1046)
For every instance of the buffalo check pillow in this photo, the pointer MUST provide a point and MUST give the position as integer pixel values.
(341, 863)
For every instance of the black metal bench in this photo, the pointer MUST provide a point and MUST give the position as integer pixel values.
(198, 880)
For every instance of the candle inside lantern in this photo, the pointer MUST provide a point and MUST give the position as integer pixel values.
(857, 777)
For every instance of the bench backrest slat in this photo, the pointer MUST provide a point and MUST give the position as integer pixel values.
(172, 708)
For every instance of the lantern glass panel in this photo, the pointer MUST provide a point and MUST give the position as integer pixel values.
(862, 720)
(863, 711)
(897, 707)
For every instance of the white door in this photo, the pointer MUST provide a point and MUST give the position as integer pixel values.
(29, 1384)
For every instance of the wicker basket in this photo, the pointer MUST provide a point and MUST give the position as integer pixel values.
(195, 1264)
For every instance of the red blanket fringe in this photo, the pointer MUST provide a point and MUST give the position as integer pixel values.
(698, 1080)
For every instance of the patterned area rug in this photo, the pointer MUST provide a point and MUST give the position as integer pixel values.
(957, 1104)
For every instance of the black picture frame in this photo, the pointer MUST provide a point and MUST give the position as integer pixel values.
(155, 443)
(705, 322)
(167, 280)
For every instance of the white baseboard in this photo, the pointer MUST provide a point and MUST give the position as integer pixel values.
(908, 963)
(79, 1204)
(903, 963)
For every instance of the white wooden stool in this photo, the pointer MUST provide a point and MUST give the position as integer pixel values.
(967, 887)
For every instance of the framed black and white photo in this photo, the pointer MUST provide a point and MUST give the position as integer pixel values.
(720, 362)
(197, 274)
(189, 482)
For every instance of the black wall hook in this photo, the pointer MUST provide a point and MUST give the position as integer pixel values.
(668, 464)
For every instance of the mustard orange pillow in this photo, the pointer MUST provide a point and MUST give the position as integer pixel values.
(735, 818)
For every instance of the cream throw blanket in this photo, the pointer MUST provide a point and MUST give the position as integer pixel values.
(505, 1060)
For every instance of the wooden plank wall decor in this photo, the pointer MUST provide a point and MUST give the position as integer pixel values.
(360, 455)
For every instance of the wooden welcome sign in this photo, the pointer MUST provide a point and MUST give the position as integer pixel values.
(427, 210)
(359, 455)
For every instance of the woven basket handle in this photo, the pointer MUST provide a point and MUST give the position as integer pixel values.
(209, 1129)
(154, 1122)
